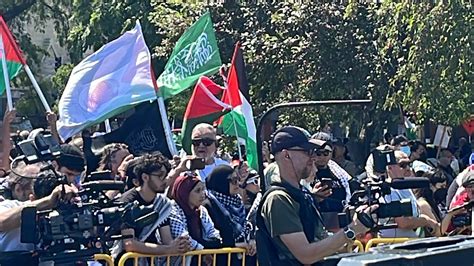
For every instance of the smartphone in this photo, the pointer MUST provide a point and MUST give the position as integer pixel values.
(196, 164)
(326, 182)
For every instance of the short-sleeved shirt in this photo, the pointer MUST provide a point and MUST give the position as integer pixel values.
(281, 216)
(397, 195)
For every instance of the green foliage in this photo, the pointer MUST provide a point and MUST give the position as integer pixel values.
(59, 81)
(435, 60)
(416, 55)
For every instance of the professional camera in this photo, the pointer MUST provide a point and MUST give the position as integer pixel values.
(76, 231)
(39, 147)
(370, 194)
(462, 220)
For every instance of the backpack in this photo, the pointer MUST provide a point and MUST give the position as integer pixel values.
(267, 253)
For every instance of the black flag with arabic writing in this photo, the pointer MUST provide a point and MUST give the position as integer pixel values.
(142, 131)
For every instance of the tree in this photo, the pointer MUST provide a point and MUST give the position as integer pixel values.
(435, 59)
(394, 53)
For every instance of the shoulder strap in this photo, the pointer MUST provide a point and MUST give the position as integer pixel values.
(266, 251)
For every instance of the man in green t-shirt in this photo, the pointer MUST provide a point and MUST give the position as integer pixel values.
(291, 221)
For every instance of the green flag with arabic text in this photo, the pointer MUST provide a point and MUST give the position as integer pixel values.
(196, 54)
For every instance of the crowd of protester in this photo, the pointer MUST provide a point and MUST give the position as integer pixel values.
(310, 179)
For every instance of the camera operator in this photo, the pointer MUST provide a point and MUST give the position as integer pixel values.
(398, 143)
(10, 213)
(406, 226)
(70, 163)
(300, 237)
(152, 173)
(17, 185)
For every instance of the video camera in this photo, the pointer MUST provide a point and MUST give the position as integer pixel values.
(464, 219)
(80, 229)
(74, 231)
(372, 192)
(39, 147)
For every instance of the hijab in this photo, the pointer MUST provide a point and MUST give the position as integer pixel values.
(181, 189)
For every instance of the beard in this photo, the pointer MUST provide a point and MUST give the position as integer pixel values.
(155, 188)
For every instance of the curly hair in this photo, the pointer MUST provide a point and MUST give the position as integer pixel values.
(149, 163)
(107, 154)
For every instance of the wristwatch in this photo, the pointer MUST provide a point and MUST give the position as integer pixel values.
(349, 233)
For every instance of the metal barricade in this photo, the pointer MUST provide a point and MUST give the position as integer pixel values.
(104, 257)
(359, 246)
(199, 253)
(376, 241)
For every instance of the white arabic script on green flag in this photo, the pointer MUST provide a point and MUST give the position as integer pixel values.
(196, 54)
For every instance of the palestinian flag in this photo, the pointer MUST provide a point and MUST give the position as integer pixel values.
(13, 54)
(203, 107)
(239, 122)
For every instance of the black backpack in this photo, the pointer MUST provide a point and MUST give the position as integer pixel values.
(267, 253)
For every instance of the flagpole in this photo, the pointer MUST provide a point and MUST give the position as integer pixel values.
(108, 129)
(5, 75)
(37, 88)
(166, 126)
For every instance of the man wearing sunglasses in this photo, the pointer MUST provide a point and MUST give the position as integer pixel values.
(406, 226)
(290, 229)
(333, 176)
(204, 145)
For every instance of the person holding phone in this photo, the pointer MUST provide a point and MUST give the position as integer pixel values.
(331, 175)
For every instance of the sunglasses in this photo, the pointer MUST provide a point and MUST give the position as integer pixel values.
(309, 152)
(205, 141)
(322, 153)
(252, 181)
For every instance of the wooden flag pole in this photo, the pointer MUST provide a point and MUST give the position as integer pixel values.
(37, 88)
(5, 75)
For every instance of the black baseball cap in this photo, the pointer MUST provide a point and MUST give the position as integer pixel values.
(291, 136)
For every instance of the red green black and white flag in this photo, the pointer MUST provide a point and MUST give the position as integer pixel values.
(203, 107)
(240, 122)
(13, 55)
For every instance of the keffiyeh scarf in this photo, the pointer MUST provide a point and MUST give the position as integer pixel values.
(236, 210)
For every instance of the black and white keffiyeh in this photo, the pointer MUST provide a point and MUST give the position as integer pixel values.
(234, 206)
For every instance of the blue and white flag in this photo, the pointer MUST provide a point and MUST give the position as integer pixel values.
(106, 83)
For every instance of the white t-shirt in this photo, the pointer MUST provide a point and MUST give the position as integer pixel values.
(10, 241)
(204, 173)
(397, 195)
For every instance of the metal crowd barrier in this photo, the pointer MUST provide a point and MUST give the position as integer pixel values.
(358, 245)
(376, 241)
(104, 257)
(199, 253)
